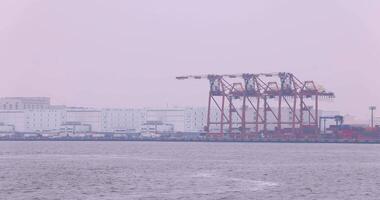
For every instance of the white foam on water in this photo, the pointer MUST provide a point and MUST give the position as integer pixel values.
(223, 184)
(253, 185)
(203, 175)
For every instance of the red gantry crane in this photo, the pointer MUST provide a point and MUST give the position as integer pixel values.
(239, 105)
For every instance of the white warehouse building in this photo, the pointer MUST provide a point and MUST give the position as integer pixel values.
(183, 119)
(122, 120)
(19, 103)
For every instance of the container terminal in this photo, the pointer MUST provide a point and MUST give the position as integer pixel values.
(262, 107)
(266, 94)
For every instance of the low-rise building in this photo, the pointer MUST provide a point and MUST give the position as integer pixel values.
(88, 116)
(6, 128)
(157, 127)
(122, 120)
(75, 127)
(19, 103)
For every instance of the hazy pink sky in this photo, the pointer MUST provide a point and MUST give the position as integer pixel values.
(126, 53)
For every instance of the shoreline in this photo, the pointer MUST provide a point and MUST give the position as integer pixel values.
(333, 141)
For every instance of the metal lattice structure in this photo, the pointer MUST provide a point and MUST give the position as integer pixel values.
(264, 95)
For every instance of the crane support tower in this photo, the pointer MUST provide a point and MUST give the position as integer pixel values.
(246, 105)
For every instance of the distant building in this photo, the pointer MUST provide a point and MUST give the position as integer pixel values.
(174, 116)
(88, 116)
(42, 120)
(33, 120)
(157, 127)
(20, 103)
(75, 127)
(6, 128)
(195, 119)
(122, 120)
(16, 118)
(183, 119)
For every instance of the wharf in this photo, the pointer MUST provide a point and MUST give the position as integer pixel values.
(263, 140)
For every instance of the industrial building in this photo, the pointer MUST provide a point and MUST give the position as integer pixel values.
(36, 114)
(18, 103)
(122, 120)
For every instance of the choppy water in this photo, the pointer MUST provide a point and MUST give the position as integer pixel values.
(164, 170)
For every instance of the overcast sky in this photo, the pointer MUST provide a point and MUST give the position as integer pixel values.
(127, 53)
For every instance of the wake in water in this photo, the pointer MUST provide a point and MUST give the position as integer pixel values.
(223, 184)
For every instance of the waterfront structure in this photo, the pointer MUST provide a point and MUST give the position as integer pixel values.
(16, 118)
(42, 120)
(75, 127)
(271, 124)
(88, 116)
(182, 119)
(266, 94)
(6, 128)
(19, 103)
(122, 120)
(157, 127)
(37, 120)
(187, 119)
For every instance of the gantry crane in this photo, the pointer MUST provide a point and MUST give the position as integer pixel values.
(265, 94)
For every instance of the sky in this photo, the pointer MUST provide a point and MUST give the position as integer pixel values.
(127, 53)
